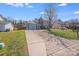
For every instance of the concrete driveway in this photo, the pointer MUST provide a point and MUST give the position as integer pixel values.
(36, 45)
(40, 43)
(58, 46)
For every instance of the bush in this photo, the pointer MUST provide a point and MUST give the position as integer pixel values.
(7, 30)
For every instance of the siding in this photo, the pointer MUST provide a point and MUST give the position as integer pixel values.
(9, 26)
(2, 27)
(32, 26)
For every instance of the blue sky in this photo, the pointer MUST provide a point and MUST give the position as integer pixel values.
(26, 11)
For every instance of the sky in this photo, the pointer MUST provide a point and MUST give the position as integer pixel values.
(26, 11)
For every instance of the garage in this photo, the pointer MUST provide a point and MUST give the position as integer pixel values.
(32, 26)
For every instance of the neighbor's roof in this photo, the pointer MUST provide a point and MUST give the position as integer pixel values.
(31, 22)
(3, 22)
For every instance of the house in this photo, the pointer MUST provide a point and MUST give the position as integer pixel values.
(32, 26)
(4, 26)
(55, 24)
(19, 27)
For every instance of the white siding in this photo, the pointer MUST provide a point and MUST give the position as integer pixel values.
(32, 26)
(9, 26)
(2, 27)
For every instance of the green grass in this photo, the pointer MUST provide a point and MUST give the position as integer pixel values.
(15, 43)
(69, 34)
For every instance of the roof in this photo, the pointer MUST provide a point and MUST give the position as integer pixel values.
(3, 23)
(31, 22)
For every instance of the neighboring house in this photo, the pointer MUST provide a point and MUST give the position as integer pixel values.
(6, 26)
(19, 26)
(56, 26)
(32, 26)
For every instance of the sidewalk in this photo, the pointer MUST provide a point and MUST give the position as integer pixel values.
(36, 45)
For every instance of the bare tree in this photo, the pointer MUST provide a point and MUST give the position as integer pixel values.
(74, 24)
(40, 21)
(36, 21)
(50, 15)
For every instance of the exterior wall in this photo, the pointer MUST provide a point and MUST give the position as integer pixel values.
(2, 27)
(9, 26)
(32, 26)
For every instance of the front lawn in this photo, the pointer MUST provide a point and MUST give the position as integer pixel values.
(15, 43)
(69, 34)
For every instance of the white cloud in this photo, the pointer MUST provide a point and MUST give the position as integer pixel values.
(30, 6)
(19, 4)
(26, 3)
(63, 4)
(42, 12)
(16, 4)
(76, 12)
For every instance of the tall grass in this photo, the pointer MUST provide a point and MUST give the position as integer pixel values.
(69, 34)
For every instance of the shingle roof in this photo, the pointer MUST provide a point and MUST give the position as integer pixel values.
(3, 23)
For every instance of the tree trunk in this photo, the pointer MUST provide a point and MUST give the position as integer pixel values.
(49, 24)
